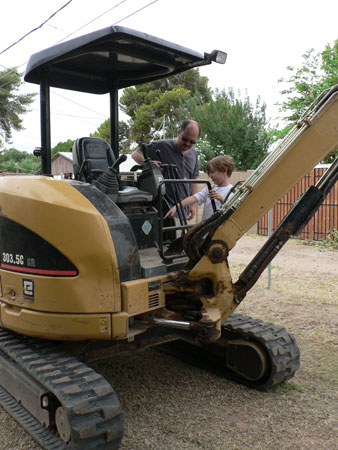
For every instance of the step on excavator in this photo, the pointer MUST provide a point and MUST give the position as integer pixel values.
(86, 272)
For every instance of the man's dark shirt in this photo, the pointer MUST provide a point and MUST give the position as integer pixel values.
(187, 165)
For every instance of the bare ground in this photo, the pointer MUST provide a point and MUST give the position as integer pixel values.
(169, 405)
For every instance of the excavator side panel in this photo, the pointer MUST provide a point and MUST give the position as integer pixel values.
(60, 262)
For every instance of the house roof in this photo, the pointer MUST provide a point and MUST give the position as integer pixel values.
(67, 155)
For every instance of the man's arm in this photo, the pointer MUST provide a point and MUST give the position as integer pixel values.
(138, 157)
(194, 187)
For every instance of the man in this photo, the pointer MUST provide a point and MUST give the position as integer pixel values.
(179, 151)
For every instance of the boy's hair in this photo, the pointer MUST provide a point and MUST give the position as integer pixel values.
(221, 164)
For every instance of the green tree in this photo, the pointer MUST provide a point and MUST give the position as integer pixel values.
(317, 73)
(303, 87)
(63, 147)
(14, 161)
(12, 104)
(147, 104)
(231, 126)
(103, 132)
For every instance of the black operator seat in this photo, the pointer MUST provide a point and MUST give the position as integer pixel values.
(91, 157)
(94, 162)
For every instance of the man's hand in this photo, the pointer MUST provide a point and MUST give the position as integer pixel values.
(157, 163)
(139, 159)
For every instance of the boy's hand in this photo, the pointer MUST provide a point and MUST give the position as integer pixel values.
(170, 213)
(214, 195)
(191, 212)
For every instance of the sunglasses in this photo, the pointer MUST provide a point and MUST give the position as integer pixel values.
(188, 141)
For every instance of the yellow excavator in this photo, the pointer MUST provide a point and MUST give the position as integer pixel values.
(85, 269)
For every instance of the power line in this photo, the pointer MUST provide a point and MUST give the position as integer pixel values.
(135, 12)
(43, 23)
(70, 34)
(62, 113)
(82, 119)
(115, 23)
(56, 28)
(98, 17)
(59, 112)
(79, 104)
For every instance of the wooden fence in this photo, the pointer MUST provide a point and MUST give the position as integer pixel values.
(325, 219)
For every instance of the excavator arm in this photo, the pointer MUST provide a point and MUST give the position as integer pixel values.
(312, 138)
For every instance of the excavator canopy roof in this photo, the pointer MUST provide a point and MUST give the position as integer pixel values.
(112, 58)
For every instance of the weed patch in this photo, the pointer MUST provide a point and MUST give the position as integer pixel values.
(331, 243)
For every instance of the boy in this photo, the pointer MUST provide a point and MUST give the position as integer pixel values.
(219, 170)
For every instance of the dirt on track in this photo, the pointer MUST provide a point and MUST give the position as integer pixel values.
(169, 405)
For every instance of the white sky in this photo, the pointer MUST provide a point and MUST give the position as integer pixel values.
(261, 38)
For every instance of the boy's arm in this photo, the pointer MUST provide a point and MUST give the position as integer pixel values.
(186, 202)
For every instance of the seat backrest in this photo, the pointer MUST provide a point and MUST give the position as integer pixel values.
(91, 157)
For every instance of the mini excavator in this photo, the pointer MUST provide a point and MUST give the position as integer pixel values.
(85, 273)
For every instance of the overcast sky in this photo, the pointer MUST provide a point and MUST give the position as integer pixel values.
(261, 38)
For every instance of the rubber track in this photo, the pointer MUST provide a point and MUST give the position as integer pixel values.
(281, 347)
(45, 437)
(91, 404)
(279, 344)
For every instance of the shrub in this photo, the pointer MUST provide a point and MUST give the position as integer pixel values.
(331, 243)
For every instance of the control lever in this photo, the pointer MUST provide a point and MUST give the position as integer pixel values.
(151, 175)
(119, 161)
(108, 182)
(145, 152)
(148, 163)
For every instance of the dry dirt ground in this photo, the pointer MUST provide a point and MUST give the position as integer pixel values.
(169, 405)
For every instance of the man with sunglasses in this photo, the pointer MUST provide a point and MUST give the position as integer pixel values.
(181, 153)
